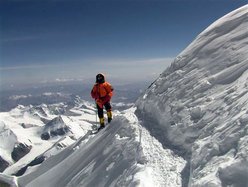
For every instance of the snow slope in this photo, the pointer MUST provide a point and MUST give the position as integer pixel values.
(199, 105)
(122, 154)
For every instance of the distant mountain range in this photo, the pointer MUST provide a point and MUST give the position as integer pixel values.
(51, 94)
(28, 132)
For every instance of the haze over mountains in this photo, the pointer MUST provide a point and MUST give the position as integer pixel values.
(64, 92)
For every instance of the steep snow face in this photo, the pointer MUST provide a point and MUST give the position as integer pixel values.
(199, 105)
(55, 127)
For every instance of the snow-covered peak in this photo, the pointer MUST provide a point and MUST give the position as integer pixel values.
(29, 131)
(7, 139)
(55, 127)
(198, 106)
(56, 121)
(218, 47)
(39, 110)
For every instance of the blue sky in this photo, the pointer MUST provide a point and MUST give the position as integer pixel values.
(54, 40)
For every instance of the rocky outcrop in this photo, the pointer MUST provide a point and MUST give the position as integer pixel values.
(3, 164)
(20, 150)
(55, 127)
(36, 161)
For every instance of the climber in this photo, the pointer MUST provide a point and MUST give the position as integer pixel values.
(102, 92)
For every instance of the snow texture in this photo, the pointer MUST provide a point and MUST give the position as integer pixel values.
(198, 106)
(122, 154)
(21, 130)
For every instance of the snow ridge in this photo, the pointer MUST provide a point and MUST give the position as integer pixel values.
(198, 106)
(119, 155)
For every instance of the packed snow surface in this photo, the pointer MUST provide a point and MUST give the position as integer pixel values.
(199, 105)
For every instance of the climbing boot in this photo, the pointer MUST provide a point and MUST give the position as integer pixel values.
(109, 114)
(102, 125)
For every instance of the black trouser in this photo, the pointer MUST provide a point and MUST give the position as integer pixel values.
(100, 110)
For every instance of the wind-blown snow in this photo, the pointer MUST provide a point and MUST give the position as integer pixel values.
(198, 105)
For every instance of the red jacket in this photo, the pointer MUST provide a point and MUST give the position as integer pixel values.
(102, 92)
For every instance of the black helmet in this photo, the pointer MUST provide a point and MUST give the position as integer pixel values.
(100, 78)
